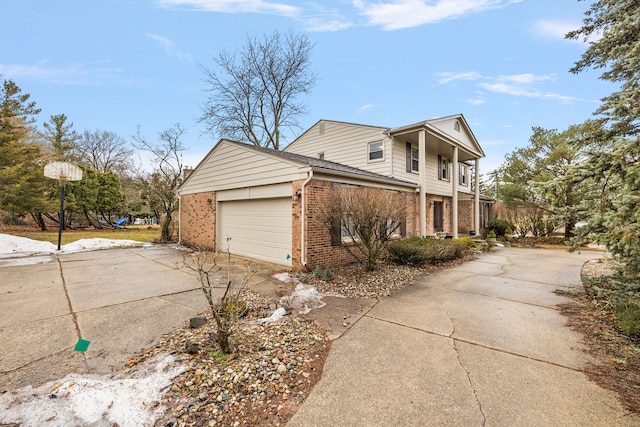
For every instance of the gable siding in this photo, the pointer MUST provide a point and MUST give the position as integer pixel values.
(344, 143)
(463, 136)
(231, 167)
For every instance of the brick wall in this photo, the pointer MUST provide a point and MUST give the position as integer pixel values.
(198, 220)
(320, 251)
(465, 217)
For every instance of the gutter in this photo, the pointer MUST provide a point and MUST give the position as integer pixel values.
(303, 215)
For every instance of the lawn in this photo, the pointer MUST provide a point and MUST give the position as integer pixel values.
(142, 233)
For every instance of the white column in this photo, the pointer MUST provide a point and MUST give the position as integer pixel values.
(476, 207)
(422, 180)
(454, 189)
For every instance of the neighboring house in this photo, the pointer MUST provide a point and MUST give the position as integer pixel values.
(261, 203)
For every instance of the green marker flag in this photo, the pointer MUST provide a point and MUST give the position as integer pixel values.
(579, 253)
(82, 345)
(288, 256)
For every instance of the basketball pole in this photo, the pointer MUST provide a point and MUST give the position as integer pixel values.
(61, 215)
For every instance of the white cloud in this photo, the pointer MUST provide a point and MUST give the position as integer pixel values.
(236, 6)
(72, 74)
(527, 85)
(477, 101)
(366, 108)
(549, 29)
(170, 48)
(448, 77)
(398, 14)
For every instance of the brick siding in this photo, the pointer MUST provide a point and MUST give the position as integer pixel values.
(198, 220)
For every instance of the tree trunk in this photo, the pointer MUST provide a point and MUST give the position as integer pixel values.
(37, 217)
(166, 228)
(568, 230)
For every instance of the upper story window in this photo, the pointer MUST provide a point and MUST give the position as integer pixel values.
(443, 168)
(464, 174)
(321, 156)
(376, 150)
(412, 157)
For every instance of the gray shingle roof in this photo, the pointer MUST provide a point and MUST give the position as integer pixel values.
(326, 165)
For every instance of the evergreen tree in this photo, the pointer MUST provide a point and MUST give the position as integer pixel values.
(612, 213)
(22, 183)
(61, 139)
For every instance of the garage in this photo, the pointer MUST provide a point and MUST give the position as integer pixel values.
(256, 228)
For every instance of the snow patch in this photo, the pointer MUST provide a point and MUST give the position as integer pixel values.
(93, 399)
(275, 317)
(15, 247)
(304, 299)
(283, 277)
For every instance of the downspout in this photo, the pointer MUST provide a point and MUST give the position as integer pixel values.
(180, 219)
(303, 216)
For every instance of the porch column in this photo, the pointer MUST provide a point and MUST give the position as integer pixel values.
(454, 189)
(422, 180)
(476, 204)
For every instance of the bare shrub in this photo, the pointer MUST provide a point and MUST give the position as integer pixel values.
(363, 220)
(230, 307)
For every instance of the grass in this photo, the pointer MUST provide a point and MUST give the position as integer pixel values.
(139, 234)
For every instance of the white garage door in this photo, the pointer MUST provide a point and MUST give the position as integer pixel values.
(259, 228)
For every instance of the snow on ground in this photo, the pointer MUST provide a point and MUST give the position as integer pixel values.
(83, 400)
(304, 297)
(21, 247)
(101, 400)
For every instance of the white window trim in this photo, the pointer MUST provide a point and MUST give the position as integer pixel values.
(463, 178)
(417, 159)
(381, 159)
(444, 161)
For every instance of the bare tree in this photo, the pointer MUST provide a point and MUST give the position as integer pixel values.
(363, 220)
(254, 95)
(105, 152)
(161, 185)
(229, 308)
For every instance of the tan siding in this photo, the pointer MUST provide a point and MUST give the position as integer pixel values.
(233, 166)
(448, 126)
(344, 143)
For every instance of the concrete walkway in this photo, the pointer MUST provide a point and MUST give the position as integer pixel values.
(120, 300)
(480, 344)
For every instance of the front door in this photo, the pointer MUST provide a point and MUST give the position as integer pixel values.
(437, 217)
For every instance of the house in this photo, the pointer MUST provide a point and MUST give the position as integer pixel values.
(260, 203)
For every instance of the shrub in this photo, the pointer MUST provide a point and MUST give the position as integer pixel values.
(420, 251)
(323, 274)
(499, 226)
(13, 220)
(628, 316)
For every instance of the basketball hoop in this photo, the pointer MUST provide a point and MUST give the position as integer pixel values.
(63, 172)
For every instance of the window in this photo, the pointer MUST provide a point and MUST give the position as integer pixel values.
(464, 175)
(348, 231)
(321, 156)
(412, 158)
(443, 168)
(376, 151)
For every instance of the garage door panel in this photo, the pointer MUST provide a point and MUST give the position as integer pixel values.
(259, 228)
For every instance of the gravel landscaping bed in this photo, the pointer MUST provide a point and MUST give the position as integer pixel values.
(272, 370)
(274, 366)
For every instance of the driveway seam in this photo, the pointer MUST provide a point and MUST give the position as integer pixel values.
(74, 317)
(475, 344)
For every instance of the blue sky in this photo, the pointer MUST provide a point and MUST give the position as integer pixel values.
(118, 64)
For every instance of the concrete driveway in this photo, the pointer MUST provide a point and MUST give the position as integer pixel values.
(120, 300)
(480, 344)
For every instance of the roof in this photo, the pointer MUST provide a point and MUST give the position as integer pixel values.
(325, 165)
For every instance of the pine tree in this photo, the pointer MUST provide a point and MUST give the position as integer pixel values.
(613, 171)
